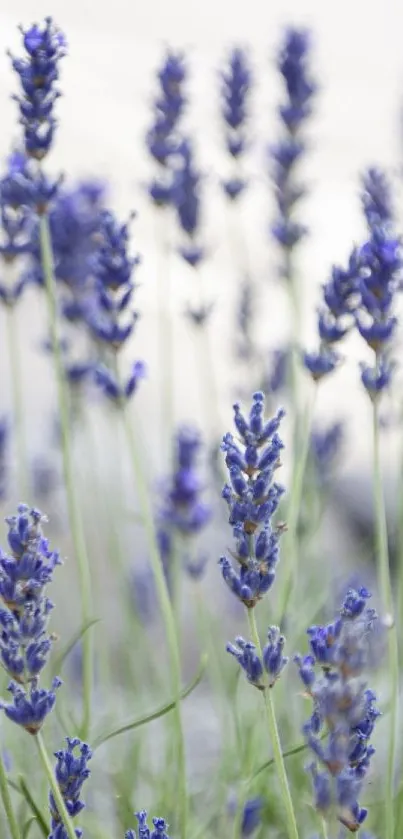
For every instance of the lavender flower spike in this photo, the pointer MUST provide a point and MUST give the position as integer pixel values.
(343, 708)
(144, 832)
(45, 45)
(71, 772)
(285, 155)
(253, 498)
(235, 90)
(24, 641)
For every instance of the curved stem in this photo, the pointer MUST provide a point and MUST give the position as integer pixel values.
(59, 800)
(18, 404)
(166, 608)
(275, 739)
(385, 585)
(75, 521)
(7, 803)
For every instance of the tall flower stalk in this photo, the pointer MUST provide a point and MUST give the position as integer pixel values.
(253, 497)
(38, 71)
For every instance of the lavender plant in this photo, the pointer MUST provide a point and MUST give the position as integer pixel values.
(58, 241)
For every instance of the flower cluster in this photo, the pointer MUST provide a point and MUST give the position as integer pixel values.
(325, 449)
(336, 317)
(380, 264)
(45, 45)
(24, 642)
(183, 511)
(162, 138)
(186, 199)
(235, 89)
(251, 814)
(344, 713)
(253, 498)
(27, 186)
(15, 241)
(272, 661)
(110, 317)
(144, 832)
(71, 771)
(293, 65)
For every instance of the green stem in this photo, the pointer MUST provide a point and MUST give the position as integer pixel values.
(166, 609)
(290, 542)
(75, 521)
(59, 800)
(165, 336)
(323, 829)
(7, 803)
(385, 585)
(18, 404)
(275, 739)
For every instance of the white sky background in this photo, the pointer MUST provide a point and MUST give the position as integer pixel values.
(107, 81)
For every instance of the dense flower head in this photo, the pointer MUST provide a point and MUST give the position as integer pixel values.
(30, 706)
(293, 64)
(336, 317)
(168, 107)
(163, 138)
(236, 80)
(26, 185)
(38, 72)
(15, 241)
(24, 642)
(118, 391)
(74, 222)
(285, 155)
(183, 511)
(144, 832)
(343, 707)
(71, 771)
(110, 317)
(380, 271)
(253, 498)
(376, 198)
(186, 200)
(261, 671)
(251, 814)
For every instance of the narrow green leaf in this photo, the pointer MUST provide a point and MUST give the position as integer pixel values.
(33, 806)
(159, 712)
(58, 662)
(27, 826)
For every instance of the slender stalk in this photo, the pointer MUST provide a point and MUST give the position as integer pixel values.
(75, 521)
(18, 403)
(385, 585)
(323, 829)
(165, 333)
(166, 609)
(61, 807)
(290, 542)
(7, 803)
(275, 739)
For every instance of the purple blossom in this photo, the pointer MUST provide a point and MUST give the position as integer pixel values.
(71, 772)
(293, 64)
(38, 71)
(144, 832)
(253, 498)
(343, 708)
